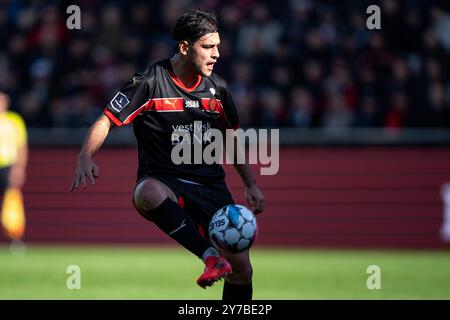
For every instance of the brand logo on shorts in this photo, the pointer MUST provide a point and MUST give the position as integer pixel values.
(119, 101)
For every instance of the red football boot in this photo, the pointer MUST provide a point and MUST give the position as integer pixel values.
(216, 268)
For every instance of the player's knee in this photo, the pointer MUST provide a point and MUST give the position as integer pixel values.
(149, 194)
(147, 202)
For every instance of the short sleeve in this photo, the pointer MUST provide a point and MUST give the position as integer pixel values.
(129, 101)
(229, 117)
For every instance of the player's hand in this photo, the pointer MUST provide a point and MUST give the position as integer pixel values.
(86, 168)
(255, 199)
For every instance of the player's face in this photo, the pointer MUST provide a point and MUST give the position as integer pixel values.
(204, 53)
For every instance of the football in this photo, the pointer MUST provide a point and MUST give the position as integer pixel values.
(233, 228)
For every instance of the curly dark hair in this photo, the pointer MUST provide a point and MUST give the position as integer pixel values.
(193, 25)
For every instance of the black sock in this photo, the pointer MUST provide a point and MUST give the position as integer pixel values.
(237, 292)
(177, 223)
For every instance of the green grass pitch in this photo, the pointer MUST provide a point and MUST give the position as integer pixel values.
(170, 273)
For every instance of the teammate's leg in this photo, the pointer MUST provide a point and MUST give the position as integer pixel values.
(238, 285)
(4, 175)
(158, 203)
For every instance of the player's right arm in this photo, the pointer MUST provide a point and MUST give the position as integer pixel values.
(127, 104)
(86, 167)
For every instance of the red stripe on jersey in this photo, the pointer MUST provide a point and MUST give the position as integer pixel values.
(112, 117)
(131, 117)
(212, 105)
(166, 105)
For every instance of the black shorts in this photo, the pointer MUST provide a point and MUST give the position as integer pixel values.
(200, 201)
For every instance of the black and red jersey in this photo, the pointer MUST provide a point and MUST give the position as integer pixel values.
(157, 104)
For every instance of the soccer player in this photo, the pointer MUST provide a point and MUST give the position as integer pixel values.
(13, 163)
(180, 198)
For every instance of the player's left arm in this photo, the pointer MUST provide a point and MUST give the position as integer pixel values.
(253, 194)
(230, 120)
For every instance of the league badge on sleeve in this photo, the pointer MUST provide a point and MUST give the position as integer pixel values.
(119, 101)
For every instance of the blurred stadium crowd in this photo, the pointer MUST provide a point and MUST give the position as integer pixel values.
(300, 63)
